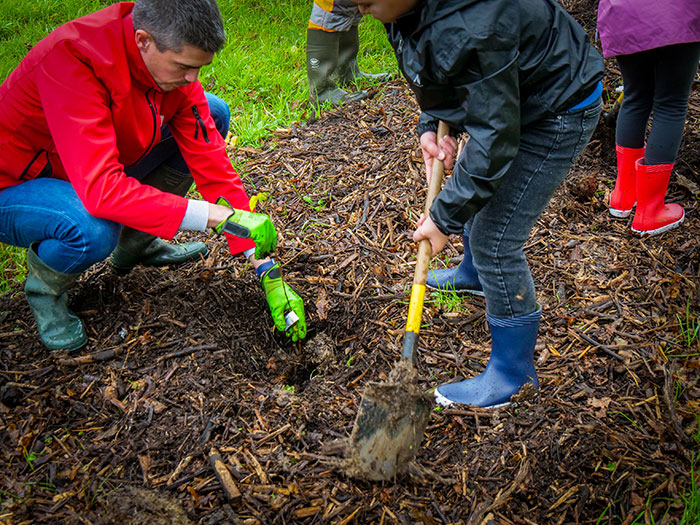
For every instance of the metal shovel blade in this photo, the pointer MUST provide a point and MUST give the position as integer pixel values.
(389, 426)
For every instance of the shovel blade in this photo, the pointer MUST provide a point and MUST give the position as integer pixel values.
(389, 428)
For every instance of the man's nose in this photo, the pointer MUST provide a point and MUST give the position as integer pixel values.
(192, 75)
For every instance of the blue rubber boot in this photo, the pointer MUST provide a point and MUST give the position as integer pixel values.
(461, 279)
(510, 367)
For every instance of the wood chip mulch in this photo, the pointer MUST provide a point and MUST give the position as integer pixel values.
(186, 407)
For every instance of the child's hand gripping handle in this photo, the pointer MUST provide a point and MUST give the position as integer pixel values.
(415, 308)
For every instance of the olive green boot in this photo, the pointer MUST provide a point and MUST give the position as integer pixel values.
(321, 64)
(348, 70)
(46, 292)
(136, 247)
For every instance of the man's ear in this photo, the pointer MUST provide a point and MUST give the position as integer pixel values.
(143, 39)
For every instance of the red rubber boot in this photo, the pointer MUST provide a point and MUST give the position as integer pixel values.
(653, 216)
(624, 195)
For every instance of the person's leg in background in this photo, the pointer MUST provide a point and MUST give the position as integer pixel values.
(348, 69)
(674, 69)
(62, 239)
(322, 48)
(332, 44)
(328, 20)
(165, 169)
(497, 236)
(638, 81)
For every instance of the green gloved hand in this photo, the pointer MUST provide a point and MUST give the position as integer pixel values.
(249, 225)
(283, 301)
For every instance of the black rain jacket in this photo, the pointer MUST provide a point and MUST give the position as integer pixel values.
(490, 67)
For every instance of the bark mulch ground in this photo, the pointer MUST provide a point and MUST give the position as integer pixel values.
(186, 407)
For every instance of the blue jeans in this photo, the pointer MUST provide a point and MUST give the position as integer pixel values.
(498, 232)
(48, 211)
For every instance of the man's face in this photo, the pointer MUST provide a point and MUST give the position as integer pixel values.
(385, 10)
(169, 69)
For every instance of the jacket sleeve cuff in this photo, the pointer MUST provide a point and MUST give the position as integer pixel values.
(441, 227)
(196, 216)
(426, 123)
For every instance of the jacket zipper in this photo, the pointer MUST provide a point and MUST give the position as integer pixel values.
(155, 123)
(199, 124)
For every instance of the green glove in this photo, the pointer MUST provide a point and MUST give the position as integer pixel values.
(283, 302)
(249, 225)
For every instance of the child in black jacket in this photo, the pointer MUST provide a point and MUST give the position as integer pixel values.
(521, 78)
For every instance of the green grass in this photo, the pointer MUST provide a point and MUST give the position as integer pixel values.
(261, 72)
(24, 22)
(691, 499)
(689, 326)
(448, 300)
(12, 267)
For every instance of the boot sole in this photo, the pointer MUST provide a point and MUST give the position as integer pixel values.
(458, 292)
(120, 270)
(447, 403)
(353, 97)
(73, 348)
(659, 231)
(620, 214)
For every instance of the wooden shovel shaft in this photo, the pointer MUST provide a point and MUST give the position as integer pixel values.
(415, 307)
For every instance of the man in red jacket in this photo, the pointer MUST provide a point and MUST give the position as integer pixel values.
(103, 128)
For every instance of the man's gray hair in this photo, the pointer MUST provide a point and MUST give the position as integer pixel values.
(175, 23)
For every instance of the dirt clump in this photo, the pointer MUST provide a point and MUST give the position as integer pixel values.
(139, 506)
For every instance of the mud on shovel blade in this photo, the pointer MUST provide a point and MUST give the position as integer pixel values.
(389, 426)
(393, 414)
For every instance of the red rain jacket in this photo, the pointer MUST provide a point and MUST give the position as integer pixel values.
(83, 102)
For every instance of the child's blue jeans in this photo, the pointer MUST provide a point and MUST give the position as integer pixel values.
(498, 232)
(48, 211)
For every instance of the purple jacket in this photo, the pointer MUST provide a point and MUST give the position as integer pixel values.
(630, 26)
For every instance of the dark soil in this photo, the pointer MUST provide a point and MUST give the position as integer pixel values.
(185, 359)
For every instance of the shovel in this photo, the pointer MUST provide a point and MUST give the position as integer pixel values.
(393, 414)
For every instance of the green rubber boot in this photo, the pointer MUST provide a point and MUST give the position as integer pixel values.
(321, 64)
(348, 70)
(136, 247)
(46, 292)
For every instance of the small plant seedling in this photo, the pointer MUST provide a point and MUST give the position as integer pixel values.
(30, 458)
(316, 205)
